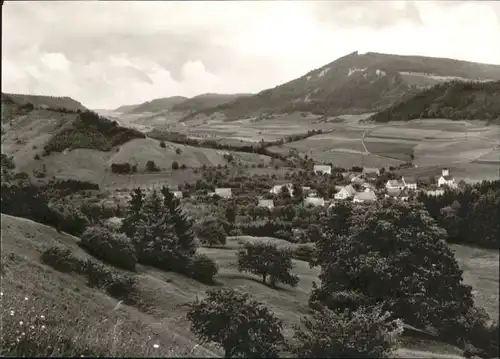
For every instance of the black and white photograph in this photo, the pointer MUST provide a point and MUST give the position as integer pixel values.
(250, 179)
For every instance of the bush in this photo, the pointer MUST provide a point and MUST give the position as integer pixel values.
(113, 248)
(202, 268)
(178, 151)
(304, 252)
(162, 144)
(62, 259)
(37, 157)
(211, 232)
(151, 166)
(366, 333)
(175, 165)
(242, 327)
(183, 166)
(121, 167)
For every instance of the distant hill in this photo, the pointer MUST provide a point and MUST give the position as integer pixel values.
(159, 104)
(452, 100)
(206, 100)
(355, 84)
(44, 101)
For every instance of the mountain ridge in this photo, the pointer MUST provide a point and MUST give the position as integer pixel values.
(355, 83)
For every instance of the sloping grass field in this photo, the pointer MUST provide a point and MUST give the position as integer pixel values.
(160, 317)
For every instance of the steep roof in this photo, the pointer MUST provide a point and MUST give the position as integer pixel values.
(448, 178)
(322, 168)
(315, 201)
(366, 196)
(223, 192)
(411, 180)
(395, 183)
(367, 170)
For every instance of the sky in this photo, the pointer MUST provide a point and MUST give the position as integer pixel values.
(111, 53)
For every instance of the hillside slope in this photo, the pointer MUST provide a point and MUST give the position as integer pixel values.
(159, 104)
(453, 100)
(159, 317)
(355, 84)
(206, 100)
(38, 101)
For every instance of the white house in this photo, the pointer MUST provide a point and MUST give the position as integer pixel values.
(323, 169)
(345, 192)
(436, 193)
(363, 197)
(446, 179)
(395, 184)
(277, 188)
(223, 192)
(400, 195)
(268, 203)
(177, 194)
(410, 183)
(314, 201)
(371, 173)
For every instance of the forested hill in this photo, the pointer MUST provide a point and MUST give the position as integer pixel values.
(454, 100)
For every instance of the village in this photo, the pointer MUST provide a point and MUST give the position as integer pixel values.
(361, 188)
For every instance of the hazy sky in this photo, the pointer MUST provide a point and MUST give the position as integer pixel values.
(106, 54)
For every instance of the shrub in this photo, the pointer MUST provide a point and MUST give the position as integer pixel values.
(366, 333)
(151, 166)
(121, 167)
(37, 157)
(178, 151)
(183, 166)
(162, 144)
(241, 326)
(202, 268)
(211, 232)
(62, 259)
(175, 165)
(304, 252)
(113, 248)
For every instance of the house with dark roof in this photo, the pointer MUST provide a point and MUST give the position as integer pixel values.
(446, 179)
(410, 183)
(371, 174)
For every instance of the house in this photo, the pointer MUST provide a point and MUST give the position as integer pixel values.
(344, 192)
(371, 174)
(277, 188)
(436, 193)
(323, 169)
(401, 195)
(364, 197)
(177, 194)
(357, 180)
(223, 192)
(395, 184)
(314, 201)
(446, 179)
(267, 203)
(410, 183)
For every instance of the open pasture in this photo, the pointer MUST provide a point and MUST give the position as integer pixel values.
(466, 150)
(392, 148)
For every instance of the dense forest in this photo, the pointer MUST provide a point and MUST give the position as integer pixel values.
(456, 100)
(91, 131)
(470, 215)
